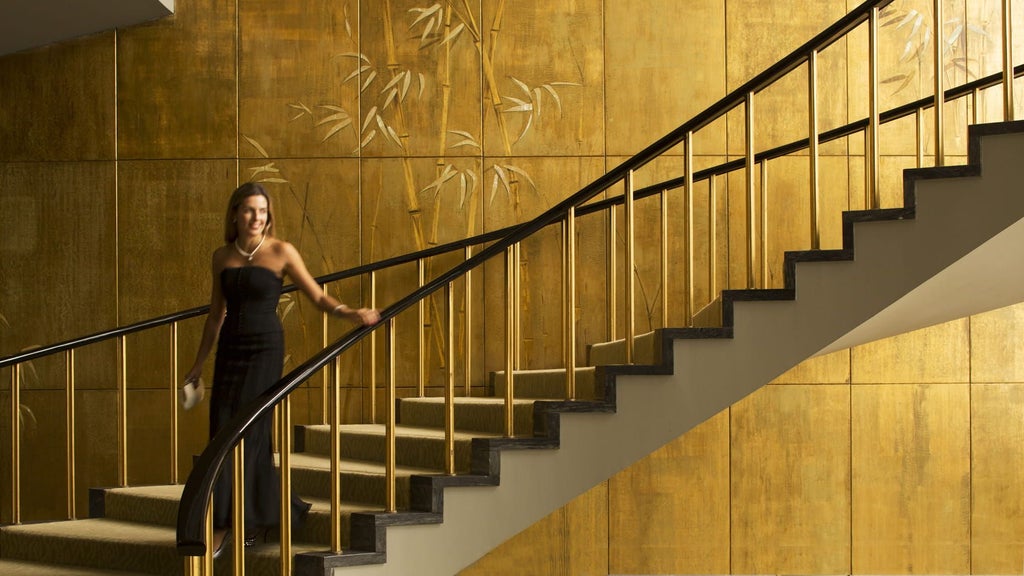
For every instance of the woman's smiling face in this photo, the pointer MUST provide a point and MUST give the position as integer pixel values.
(252, 216)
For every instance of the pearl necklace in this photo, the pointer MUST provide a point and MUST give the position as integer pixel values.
(249, 255)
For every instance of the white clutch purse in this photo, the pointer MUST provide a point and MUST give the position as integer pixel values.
(191, 393)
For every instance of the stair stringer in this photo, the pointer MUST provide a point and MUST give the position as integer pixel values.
(950, 213)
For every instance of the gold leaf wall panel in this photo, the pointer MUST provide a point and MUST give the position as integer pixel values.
(57, 102)
(149, 440)
(669, 512)
(994, 356)
(62, 237)
(176, 85)
(291, 77)
(757, 35)
(96, 441)
(911, 447)
(997, 457)
(551, 91)
(897, 360)
(790, 471)
(831, 368)
(572, 540)
(42, 455)
(170, 220)
(670, 72)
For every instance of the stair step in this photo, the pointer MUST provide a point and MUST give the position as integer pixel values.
(143, 504)
(414, 446)
(471, 414)
(547, 384)
(614, 352)
(96, 543)
(21, 568)
(362, 482)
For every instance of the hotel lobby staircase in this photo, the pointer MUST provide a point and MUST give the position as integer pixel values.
(952, 250)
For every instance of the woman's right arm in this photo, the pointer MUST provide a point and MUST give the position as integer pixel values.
(213, 321)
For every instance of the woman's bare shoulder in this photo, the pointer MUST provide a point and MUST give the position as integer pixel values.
(220, 256)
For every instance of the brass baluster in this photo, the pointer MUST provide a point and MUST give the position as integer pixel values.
(373, 352)
(468, 326)
(449, 389)
(712, 239)
(336, 459)
(569, 288)
(1008, 113)
(238, 507)
(285, 466)
(937, 36)
(390, 500)
(69, 431)
(174, 402)
(612, 296)
(919, 117)
(764, 224)
(325, 387)
(421, 326)
(122, 412)
(871, 198)
(510, 336)
(15, 444)
(688, 233)
(664, 258)
(629, 218)
(750, 188)
(813, 152)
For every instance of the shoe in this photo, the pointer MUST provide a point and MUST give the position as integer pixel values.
(225, 543)
(252, 536)
(191, 393)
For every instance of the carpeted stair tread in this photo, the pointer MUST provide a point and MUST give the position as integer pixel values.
(414, 446)
(400, 430)
(361, 481)
(614, 352)
(303, 460)
(476, 414)
(145, 504)
(546, 384)
(20, 568)
(96, 543)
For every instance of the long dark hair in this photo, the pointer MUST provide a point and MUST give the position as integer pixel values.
(240, 194)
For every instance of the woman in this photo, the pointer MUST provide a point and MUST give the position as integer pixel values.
(248, 272)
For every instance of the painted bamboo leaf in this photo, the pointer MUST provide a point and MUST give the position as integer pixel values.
(369, 80)
(303, 111)
(257, 146)
(467, 139)
(522, 173)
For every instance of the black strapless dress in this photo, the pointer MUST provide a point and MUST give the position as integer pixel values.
(250, 358)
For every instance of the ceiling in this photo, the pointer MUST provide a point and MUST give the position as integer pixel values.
(26, 24)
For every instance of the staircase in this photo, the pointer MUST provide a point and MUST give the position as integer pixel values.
(951, 251)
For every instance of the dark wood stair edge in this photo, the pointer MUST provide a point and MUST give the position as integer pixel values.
(369, 530)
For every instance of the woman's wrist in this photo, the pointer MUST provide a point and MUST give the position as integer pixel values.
(341, 310)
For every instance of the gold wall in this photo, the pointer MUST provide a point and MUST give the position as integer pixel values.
(902, 456)
(384, 127)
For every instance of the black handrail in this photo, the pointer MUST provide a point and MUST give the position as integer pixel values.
(196, 494)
